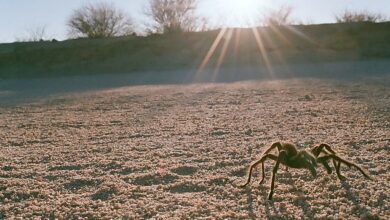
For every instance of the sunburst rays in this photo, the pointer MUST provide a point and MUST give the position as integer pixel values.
(264, 44)
(209, 54)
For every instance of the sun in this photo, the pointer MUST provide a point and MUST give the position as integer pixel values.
(240, 13)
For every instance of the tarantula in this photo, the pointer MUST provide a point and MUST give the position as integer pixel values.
(303, 159)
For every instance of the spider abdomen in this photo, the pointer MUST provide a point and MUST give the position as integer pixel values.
(290, 149)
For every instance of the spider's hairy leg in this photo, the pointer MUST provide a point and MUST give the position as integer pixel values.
(312, 169)
(282, 157)
(318, 149)
(327, 167)
(263, 158)
(273, 146)
(337, 166)
(309, 156)
(348, 163)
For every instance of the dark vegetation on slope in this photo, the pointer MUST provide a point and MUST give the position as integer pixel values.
(308, 43)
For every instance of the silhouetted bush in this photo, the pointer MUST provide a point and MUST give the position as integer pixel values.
(362, 16)
(98, 21)
(277, 17)
(173, 16)
(34, 34)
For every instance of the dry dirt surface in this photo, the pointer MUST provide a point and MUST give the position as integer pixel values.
(179, 151)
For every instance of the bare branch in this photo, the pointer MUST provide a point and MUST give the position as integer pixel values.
(173, 16)
(278, 17)
(362, 16)
(34, 34)
(97, 21)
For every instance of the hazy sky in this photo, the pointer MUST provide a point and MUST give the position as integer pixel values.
(17, 17)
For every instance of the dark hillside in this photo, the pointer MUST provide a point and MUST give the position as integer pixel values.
(295, 44)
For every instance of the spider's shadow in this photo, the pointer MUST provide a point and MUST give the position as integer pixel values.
(252, 215)
(353, 197)
(267, 203)
(302, 202)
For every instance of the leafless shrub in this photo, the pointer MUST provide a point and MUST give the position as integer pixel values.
(98, 21)
(34, 34)
(305, 22)
(173, 16)
(277, 17)
(355, 16)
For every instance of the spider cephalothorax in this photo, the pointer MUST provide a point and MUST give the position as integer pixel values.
(303, 159)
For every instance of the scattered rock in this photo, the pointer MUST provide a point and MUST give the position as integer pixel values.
(185, 170)
(67, 167)
(8, 168)
(78, 184)
(249, 132)
(154, 179)
(187, 187)
(104, 194)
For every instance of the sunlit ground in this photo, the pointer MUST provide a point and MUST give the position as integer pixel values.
(179, 151)
(176, 152)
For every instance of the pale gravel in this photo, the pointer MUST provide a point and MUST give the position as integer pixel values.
(178, 151)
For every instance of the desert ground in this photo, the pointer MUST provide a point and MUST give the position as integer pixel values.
(179, 151)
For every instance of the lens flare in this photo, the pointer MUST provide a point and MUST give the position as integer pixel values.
(240, 13)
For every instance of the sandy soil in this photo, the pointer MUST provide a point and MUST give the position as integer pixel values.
(178, 151)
